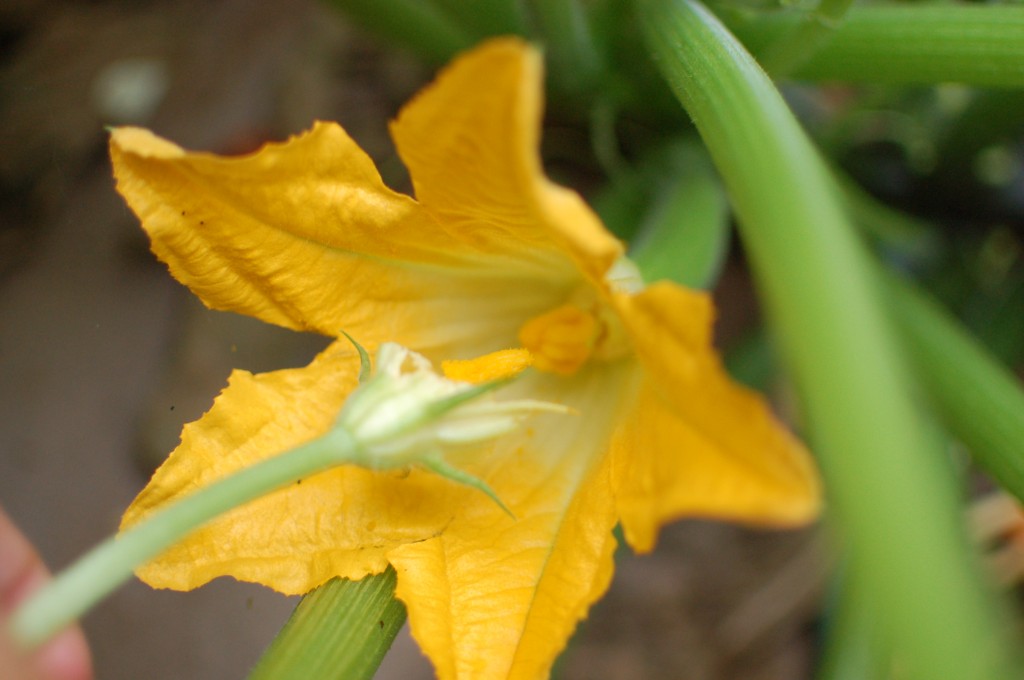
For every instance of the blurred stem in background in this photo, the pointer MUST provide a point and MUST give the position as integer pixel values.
(805, 36)
(979, 399)
(417, 25)
(892, 491)
(852, 649)
(903, 43)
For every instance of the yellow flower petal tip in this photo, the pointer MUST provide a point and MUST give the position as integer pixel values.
(144, 143)
(506, 363)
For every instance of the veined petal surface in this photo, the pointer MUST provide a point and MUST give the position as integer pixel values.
(304, 234)
(696, 443)
(496, 598)
(338, 523)
(471, 142)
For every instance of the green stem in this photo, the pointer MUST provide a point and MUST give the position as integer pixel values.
(851, 651)
(981, 402)
(900, 236)
(892, 491)
(909, 43)
(112, 562)
(807, 36)
(341, 630)
(685, 236)
(415, 24)
(484, 18)
(573, 56)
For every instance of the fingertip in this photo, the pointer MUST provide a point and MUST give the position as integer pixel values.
(66, 657)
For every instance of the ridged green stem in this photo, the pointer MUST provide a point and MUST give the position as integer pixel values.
(341, 630)
(891, 488)
(978, 44)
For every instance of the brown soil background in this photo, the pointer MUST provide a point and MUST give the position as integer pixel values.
(103, 356)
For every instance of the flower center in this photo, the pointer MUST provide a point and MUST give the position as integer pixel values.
(566, 337)
(562, 339)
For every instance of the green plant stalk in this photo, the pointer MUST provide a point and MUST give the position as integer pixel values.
(341, 630)
(893, 496)
(908, 43)
(685, 236)
(852, 651)
(484, 18)
(575, 60)
(415, 24)
(807, 36)
(901, 236)
(980, 401)
(111, 563)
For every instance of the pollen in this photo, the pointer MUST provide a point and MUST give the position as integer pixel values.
(562, 339)
(494, 366)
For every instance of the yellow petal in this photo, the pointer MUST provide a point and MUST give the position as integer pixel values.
(338, 523)
(305, 235)
(471, 143)
(497, 598)
(696, 442)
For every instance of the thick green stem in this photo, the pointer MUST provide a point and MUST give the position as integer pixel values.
(112, 562)
(341, 630)
(851, 651)
(981, 402)
(892, 490)
(908, 43)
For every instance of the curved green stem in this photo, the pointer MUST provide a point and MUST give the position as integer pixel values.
(891, 489)
(112, 562)
(981, 401)
(908, 43)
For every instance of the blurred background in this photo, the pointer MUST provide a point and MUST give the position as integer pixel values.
(103, 356)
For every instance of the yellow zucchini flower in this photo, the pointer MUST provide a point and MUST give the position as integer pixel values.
(489, 255)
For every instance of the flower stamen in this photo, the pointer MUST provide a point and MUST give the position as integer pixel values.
(505, 363)
(562, 339)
